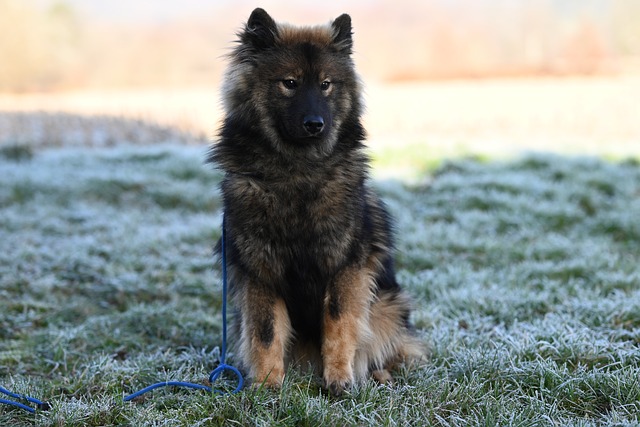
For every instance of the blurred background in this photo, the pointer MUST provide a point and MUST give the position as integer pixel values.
(442, 77)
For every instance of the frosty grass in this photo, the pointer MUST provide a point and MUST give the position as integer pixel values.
(525, 276)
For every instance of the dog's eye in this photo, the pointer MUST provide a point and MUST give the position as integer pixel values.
(325, 85)
(289, 83)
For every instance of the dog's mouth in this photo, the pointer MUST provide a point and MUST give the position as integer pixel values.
(312, 138)
(302, 138)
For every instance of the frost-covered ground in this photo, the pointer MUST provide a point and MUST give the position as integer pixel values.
(525, 275)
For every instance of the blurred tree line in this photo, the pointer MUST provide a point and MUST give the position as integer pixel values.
(38, 48)
(493, 38)
(57, 48)
(48, 45)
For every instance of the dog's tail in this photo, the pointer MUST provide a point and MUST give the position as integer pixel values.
(391, 340)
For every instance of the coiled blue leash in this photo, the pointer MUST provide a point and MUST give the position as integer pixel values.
(212, 377)
(222, 366)
(41, 405)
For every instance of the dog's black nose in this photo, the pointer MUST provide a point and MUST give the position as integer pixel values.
(313, 124)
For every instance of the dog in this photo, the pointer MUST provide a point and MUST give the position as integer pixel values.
(309, 245)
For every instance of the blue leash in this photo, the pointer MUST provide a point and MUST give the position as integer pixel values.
(212, 377)
(41, 405)
(222, 366)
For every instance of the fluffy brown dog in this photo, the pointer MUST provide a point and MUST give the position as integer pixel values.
(309, 245)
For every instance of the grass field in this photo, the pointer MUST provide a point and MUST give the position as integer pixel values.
(524, 273)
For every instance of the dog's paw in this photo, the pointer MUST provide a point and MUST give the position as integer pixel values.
(338, 382)
(336, 388)
(272, 380)
(382, 376)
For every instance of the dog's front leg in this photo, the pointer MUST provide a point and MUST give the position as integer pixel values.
(266, 332)
(345, 320)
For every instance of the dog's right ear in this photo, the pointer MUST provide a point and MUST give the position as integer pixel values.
(261, 30)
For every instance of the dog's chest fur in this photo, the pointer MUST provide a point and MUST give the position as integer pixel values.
(295, 221)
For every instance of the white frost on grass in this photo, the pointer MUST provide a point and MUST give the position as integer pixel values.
(524, 277)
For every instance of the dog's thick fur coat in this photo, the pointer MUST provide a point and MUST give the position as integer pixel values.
(309, 245)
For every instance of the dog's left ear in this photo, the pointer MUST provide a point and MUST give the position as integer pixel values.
(342, 33)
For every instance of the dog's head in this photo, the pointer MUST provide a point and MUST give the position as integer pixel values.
(297, 84)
